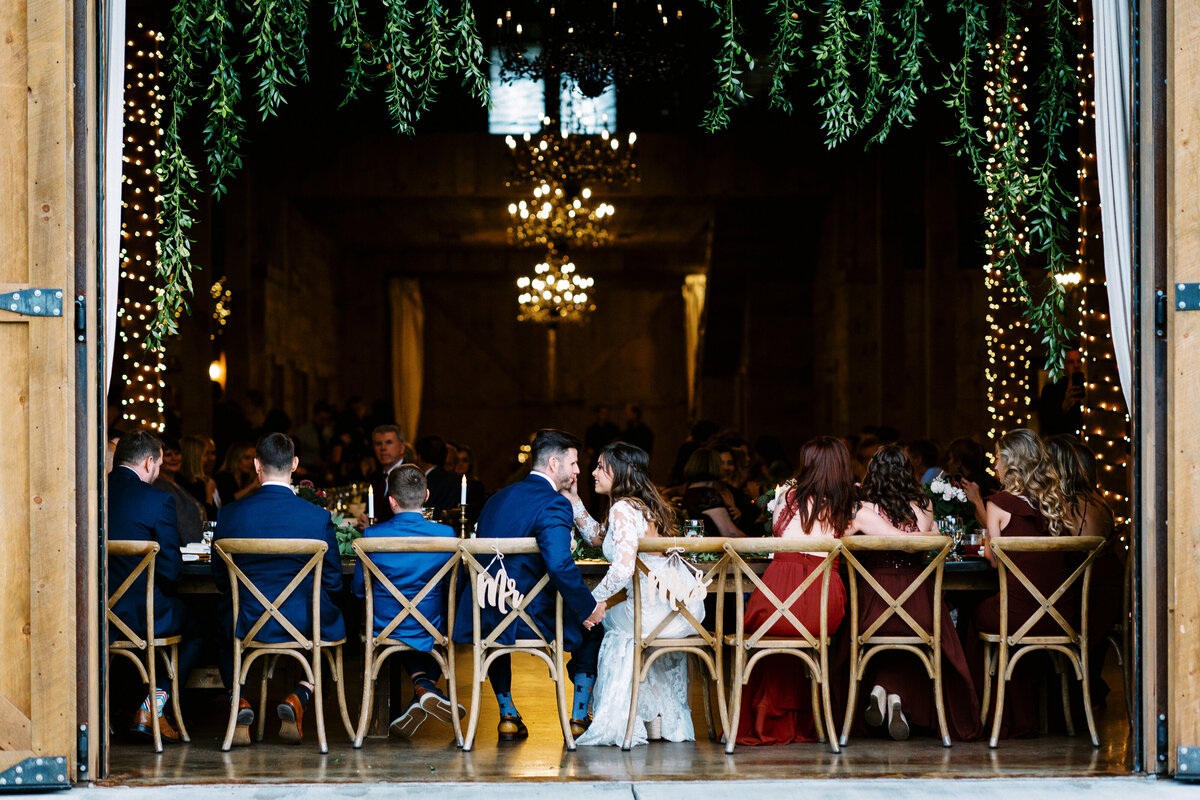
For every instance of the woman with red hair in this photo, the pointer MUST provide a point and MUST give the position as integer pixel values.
(818, 501)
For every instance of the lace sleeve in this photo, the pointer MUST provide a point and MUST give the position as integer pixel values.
(588, 528)
(625, 525)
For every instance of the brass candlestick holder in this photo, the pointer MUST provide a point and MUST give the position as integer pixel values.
(462, 521)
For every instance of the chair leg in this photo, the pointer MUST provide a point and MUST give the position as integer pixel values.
(633, 698)
(735, 710)
(938, 696)
(1001, 681)
(815, 702)
(174, 657)
(151, 687)
(560, 690)
(364, 712)
(267, 665)
(476, 688)
(234, 699)
(318, 701)
(695, 666)
(1065, 684)
(452, 685)
(989, 670)
(1087, 700)
(852, 697)
(833, 744)
(339, 677)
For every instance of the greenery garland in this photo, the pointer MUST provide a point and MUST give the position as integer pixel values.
(870, 62)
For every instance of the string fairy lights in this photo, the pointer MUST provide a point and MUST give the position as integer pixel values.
(1009, 345)
(141, 369)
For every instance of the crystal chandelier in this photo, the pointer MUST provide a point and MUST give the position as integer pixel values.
(572, 159)
(556, 219)
(556, 292)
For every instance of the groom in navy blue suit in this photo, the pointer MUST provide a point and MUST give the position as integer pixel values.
(275, 512)
(535, 508)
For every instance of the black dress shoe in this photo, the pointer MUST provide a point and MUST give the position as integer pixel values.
(511, 729)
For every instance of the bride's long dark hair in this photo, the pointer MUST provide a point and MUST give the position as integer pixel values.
(891, 485)
(631, 480)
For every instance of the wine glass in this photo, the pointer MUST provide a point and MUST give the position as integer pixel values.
(953, 527)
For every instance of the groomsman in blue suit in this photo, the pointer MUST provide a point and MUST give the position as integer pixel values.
(138, 511)
(535, 508)
(275, 512)
(409, 572)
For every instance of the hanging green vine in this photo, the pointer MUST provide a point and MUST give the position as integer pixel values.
(870, 62)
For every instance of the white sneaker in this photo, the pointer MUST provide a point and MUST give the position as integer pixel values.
(897, 723)
(876, 703)
(654, 729)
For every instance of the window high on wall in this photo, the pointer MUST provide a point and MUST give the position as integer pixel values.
(519, 105)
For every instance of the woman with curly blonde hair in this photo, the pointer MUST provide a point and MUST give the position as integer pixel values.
(1030, 504)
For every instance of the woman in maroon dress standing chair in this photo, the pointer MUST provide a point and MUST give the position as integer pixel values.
(902, 692)
(1030, 504)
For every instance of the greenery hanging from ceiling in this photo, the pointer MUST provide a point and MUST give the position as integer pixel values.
(869, 60)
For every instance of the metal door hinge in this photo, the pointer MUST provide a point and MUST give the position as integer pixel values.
(34, 302)
(47, 772)
(1187, 296)
(80, 319)
(1160, 314)
(1189, 763)
(81, 754)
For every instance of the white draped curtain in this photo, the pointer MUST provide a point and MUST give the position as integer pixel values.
(114, 115)
(1114, 169)
(408, 352)
(694, 288)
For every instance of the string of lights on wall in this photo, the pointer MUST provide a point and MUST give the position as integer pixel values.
(140, 370)
(1105, 416)
(1009, 352)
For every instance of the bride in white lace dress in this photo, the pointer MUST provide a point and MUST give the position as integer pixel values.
(637, 510)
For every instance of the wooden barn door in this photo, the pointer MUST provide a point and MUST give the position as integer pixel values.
(38, 625)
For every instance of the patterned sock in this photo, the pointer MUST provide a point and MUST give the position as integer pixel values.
(160, 702)
(583, 695)
(303, 694)
(507, 707)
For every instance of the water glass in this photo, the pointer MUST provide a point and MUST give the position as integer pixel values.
(953, 527)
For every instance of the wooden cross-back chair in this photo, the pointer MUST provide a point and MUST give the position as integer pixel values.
(924, 643)
(132, 646)
(306, 650)
(749, 647)
(704, 645)
(548, 646)
(381, 645)
(1004, 649)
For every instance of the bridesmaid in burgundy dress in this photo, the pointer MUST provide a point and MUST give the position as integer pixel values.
(818, 501)
(1031, 504)
(902, 692)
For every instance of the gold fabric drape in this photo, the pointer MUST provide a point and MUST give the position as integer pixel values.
(408, 352)
(694, 288)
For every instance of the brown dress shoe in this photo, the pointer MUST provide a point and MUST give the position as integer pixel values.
(245, 718)
(291, 712)
(511, 729)
(579, 727)
(143, 725)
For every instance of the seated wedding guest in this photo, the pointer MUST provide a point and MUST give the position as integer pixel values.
(188, 511)
(236, 478)
(817, 501)
(1090, 515)
(198, 453)
(924, 457)
(314, 440)
(476, 492)
(902, 693)
(444, 487)
(275, 512)
(1030, 504)
(637, 511)
(138, 511)
(409, 572)
(748, 521)
(701, 435)
(703, 496)
(868, 443)
(967, 467)
(387, 442)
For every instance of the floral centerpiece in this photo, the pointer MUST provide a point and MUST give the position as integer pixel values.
(344, 528)
(950, 500)
(766, 505)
